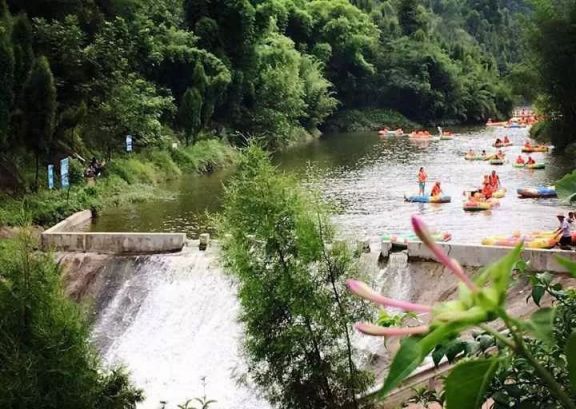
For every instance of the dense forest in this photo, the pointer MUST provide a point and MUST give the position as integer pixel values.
(78, 75)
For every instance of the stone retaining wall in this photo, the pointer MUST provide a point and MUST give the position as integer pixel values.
(61, 237)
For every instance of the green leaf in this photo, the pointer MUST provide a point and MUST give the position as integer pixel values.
(406, 360)
(566, 187)
(499, 273)
(568, 265)
(541, 324)
(467, 383)
(571, 358)
(412, 352)
(537, 293)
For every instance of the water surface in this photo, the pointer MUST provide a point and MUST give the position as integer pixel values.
(368, 176)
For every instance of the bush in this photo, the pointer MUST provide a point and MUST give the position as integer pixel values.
(47, 359)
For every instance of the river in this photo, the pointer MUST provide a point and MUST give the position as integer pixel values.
(368, 176)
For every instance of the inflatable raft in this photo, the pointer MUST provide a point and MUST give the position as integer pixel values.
(403, 238)
(536, 240)
(496, 161)
(535, 148)
(537, 192)
(473, 157)
(427, 199)
(388, 132)
(502, 145)
(519, 165)
(535, 166)
(500, 193)
(478, 206)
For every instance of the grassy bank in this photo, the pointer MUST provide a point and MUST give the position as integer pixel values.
(368, 120)
(126, 179)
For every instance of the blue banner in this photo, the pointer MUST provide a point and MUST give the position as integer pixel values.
(64, 172)
(128, 143)
(50, 177)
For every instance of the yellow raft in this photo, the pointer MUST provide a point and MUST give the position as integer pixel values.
(534, 240)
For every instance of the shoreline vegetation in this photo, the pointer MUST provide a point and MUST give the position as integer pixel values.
(129, 178)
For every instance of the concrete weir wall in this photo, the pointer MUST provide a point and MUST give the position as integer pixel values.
(471, 255)
(62, 237)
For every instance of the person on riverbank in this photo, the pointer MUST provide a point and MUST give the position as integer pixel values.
(494, 181)
(422, 177)
(436, 189)
(565, 232)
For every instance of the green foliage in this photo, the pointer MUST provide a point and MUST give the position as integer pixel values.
(125, 180)
(294, 306)
(6, 83)
(530, 365)
(190, 114)
(566, 187)
(551, 40)
(467, 383)
(47, 359)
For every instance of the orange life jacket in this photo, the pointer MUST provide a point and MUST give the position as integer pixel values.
(487, 191)
(435, 191)
(422, 177)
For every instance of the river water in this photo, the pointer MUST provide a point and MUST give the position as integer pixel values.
(173, 319)
(368, 176)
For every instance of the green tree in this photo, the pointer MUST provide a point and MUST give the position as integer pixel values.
(190, 114)
(6, 83)
(294, 305)
(23, 50)
(39, 110)
(47, 359)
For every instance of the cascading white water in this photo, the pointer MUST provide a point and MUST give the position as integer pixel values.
(396, 277)
(173, 322)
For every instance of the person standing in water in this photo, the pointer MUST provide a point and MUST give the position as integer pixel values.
(422, 177)
(565, 232)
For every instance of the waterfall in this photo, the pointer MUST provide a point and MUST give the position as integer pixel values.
(173, 321)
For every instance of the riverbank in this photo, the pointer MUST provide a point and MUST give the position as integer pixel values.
(126, 179)
(355, 120)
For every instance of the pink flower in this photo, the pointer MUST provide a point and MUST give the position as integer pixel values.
(363, 290)
(422, 232)
(378, 331)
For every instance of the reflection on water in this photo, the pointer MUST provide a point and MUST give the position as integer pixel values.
(368, 177)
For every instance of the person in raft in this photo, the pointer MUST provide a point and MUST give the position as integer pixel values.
(520, 160)
(471, 153)
(487, 190)
(527, 145)
(530, 161)
(498, 141)
(500, 155)
(422, 176)
(494, 181)
(436, 189)
(506, 140)
(483, 154)
(565, 232)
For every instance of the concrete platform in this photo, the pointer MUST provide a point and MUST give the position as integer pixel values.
(61, 237)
